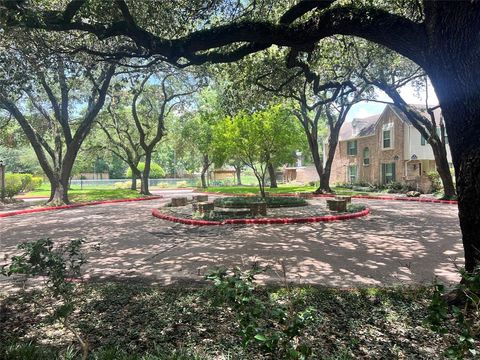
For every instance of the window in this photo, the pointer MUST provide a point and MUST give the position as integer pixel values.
(388, 173)
(423, 141)
(366, 156)
(387, 136)
(352, 173)
(352, 147)
(387, 140)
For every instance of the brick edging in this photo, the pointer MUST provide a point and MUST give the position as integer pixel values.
(71, 206)
(310, 219)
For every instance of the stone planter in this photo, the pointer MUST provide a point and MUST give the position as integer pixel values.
(304, 195)
(337, 205)
(258, 208)
(203, 207)
(179, 201)
(200, 198)
(348, 199)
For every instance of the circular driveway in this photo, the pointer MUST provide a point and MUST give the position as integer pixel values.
(399, 242)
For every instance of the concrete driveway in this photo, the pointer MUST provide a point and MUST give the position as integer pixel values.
(399, 242)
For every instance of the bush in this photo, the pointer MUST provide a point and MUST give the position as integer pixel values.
(353, 208)
(17, 183)
(13, 185)
(156, 171)
(57, 265)
(434, 178)
(37, 181)
(181, 184)
(275, 325)
(272, 201)
(122, 185)
(163, 185)
(465, 319)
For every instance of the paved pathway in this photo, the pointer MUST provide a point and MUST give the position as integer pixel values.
(399, 242)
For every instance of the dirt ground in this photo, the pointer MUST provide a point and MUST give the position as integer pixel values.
(399, 242)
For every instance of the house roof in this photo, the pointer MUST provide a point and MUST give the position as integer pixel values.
(366, 126)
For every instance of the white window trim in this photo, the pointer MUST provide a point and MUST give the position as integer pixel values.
(388, 127)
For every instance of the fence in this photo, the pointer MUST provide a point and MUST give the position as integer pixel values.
(110, 183)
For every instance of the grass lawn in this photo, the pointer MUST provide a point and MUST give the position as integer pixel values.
(282, 189)
(137, 321)
(88, 194)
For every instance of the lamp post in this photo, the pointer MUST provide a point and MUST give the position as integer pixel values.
(2, 180)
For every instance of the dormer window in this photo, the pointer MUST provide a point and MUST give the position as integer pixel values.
(387, 136)
(354, 128)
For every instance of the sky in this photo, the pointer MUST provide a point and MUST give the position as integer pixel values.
(365, 109)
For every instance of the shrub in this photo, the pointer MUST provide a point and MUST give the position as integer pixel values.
(353, 208)
(272, 201)
(37, 181)
(156, 171)
(181, 184)
(163, 185)
(17, 183)
(27, 180)
(274, 324)
(122, 185)
(13, 184)
(57, 264)
(466, 319)
(434, 178)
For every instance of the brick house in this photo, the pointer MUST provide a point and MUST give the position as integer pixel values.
(383, 148)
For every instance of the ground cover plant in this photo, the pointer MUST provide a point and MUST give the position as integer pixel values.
(134, 320)
(271, 201)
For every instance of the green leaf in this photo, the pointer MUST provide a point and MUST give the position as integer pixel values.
(260, 337)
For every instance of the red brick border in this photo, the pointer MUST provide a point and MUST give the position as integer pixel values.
(30, 211)
(327, 218)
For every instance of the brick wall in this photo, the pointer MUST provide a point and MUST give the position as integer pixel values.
(372, 173)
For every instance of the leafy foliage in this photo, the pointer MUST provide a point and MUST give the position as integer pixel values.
(16, 183)
(156, 171)
(272, 201)
(274, 325)
(466, 319)
(58, 265)
(259, 139)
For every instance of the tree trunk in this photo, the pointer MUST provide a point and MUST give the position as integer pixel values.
(272, 176)
(136, 174)
(133, 186)
(206, 165)
(261, 185)
(238, 173)
(146, 174)
(58, 192)
(317, 160)
(441, 161)
(456, 78)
